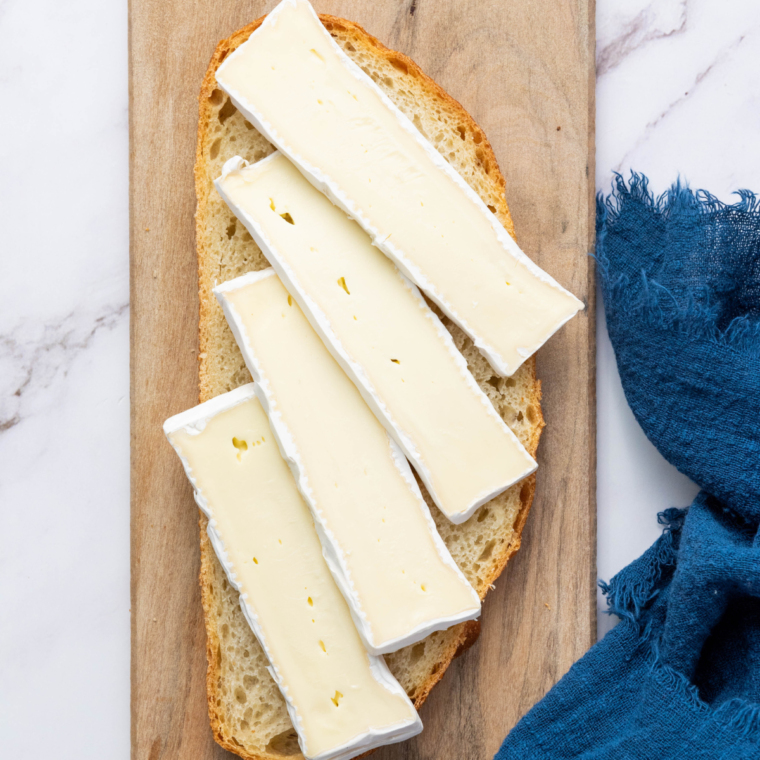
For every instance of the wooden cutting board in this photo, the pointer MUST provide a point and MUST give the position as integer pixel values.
(524, 69)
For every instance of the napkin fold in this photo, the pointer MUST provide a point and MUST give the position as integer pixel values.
(679, 676)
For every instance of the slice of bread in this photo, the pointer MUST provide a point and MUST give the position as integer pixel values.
(247, 713)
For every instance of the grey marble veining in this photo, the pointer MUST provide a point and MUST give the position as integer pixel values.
(38, 356)
(677, 92)
(632, 26)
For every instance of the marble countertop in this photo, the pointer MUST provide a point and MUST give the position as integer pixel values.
(677, 92)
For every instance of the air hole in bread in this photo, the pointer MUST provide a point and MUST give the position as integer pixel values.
(240, 695)
(519, 416)
(285, 744)
(226, 111)
(216, 97)
(397, 63)
(231, 228)
(213, 151)
(531, 414)
(462, 131)
(483, 513)
(492, 209)
(525, 493)
(494, 382)
(487, 550)
(417, 651)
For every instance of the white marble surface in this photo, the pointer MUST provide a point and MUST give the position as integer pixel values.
(64, 381)
(677, 92)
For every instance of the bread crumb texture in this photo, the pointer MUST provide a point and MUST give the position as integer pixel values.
(247, 711)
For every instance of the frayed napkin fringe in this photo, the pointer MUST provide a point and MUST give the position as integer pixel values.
(695, 315)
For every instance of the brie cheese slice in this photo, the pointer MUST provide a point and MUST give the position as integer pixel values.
(296, 86)
(377, 534)
(342, 701)
(379, 329)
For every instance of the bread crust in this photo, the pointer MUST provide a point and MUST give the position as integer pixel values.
(461, 637)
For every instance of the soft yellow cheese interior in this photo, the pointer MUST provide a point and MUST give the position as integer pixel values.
(292, 76)
(388, 331)
(274, 551)
(345, 453)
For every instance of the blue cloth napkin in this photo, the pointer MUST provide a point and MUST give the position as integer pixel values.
(679, 676)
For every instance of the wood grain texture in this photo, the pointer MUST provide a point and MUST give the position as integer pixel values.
(524, 70)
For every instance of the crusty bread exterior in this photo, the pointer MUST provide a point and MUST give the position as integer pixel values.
(247, 712)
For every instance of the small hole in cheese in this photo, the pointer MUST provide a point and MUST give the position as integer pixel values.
(240, 445)
(322, 644)
(395, 361)
(336, 699)
(342, 283)
(255, 561)
(287, 217)
(310, 601)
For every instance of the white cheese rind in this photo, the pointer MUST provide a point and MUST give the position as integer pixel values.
(330, 186)
(322, 325)
(335, 554)
(194, 421)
